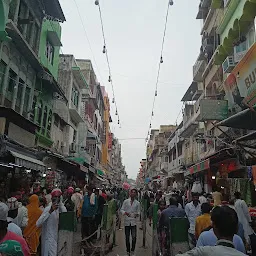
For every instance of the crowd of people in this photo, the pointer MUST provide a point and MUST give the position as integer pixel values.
(29, 223)
(209, 223)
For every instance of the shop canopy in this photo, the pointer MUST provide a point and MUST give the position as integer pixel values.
(101, 172)
(245, 119)
(244, 18)
(28, 162)
(78, 160)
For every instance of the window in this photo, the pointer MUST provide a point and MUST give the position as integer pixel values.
(166, 159)
(2, 72)
(44, 121)
(74, 136)
(75, 96)
(39, 112)
(26, 100)
(49, 52)
(56, 120)
(30, 25)
(11, 84)
(19, 93)
(22, 15)
(35, 36)
(49, 125)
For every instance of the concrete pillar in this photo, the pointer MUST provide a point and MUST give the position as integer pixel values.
(6, 80)
(15, 92)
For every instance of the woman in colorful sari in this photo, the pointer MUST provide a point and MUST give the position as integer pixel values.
(32, 232)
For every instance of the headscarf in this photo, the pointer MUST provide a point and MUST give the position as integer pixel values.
(11, 247)
(32, 232)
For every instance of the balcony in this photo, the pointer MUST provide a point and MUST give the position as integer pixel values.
(203, 9)
(164, 166)
(75, 114)
(198, 70)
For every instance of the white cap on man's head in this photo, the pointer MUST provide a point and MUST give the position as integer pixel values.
(13, 203)
(3, 211)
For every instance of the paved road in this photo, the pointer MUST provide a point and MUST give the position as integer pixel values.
(120, 249)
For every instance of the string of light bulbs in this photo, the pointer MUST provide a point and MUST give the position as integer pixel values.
(110, 78)
(170, 3)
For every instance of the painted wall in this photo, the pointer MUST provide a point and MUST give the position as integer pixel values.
(50, 26)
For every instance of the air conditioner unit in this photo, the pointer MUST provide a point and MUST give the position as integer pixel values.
(228, 64)
(73, 148)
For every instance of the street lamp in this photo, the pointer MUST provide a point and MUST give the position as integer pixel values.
(171, 2)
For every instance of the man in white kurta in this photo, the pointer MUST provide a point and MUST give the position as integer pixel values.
(243, 215)
(49, 220)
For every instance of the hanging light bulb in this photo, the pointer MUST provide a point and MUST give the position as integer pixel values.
(152, 113)
(96, 2)
(170, 2)
(150, 126)
(104, 49)
(161, 60)
(116, 113)
(109, 78)
(118, 121)
(156, 93)
(113, 100)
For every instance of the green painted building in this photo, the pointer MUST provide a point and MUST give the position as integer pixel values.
(49, 48)
(4, 10)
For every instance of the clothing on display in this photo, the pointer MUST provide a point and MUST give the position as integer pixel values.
(197, 187)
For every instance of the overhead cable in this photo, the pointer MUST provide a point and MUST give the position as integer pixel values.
(105, 51)
(170, 2)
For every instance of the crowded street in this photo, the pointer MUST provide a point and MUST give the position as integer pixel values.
(127, 127)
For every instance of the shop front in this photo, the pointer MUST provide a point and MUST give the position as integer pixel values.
(20, 169)
(221, 171)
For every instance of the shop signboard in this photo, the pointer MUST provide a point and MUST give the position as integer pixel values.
(213, 109)
(204, 165)
(244, 78)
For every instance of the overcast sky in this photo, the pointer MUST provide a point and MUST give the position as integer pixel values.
(134, 30)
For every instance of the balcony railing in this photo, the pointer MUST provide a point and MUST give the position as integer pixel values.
(198, 70)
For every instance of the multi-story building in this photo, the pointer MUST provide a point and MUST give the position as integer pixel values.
(93, 112)
(228, 36)
(71, 130)
(157, 155)
(26, 87)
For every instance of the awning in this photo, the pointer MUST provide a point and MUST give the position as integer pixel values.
(77, 160)
(100, 178)
(201, 166)
(245, 17)
(245, 119)
(91, 136)
(249, 136)
(28, 162)
(101, 172)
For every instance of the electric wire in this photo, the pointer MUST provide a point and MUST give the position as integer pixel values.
(105, 51)
(158, 71)
(87, 38)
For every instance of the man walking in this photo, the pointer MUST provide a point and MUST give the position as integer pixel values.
(131, 211)
(193, 210)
